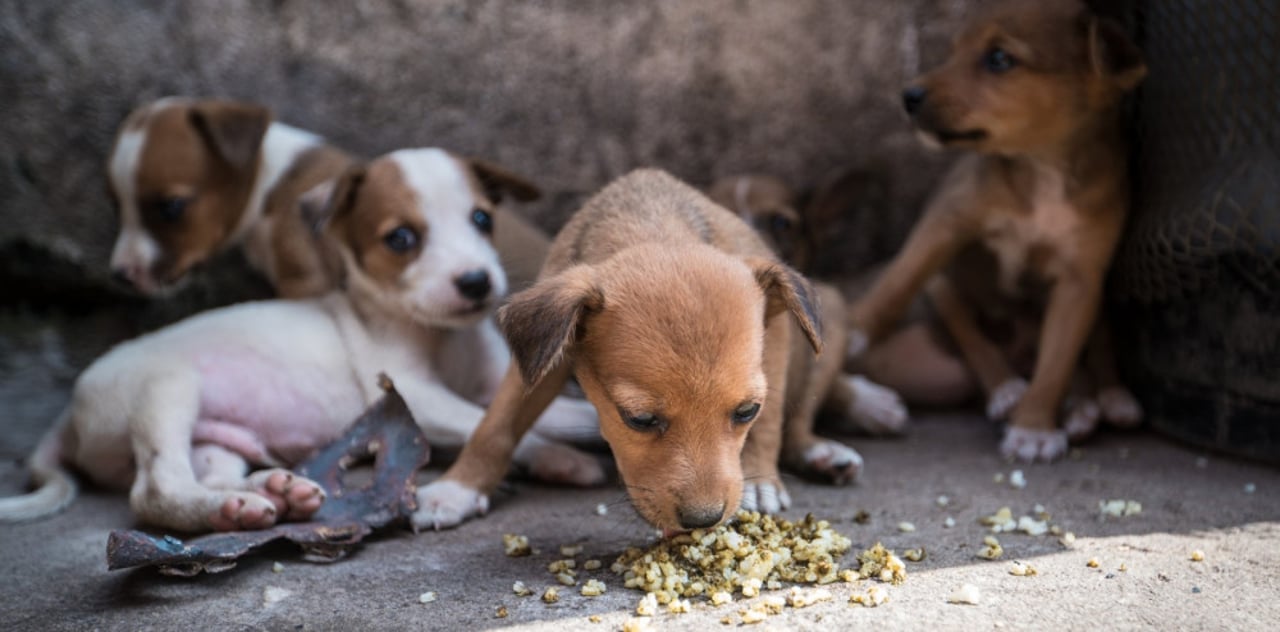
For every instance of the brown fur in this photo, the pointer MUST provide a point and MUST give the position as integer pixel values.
(659, 302)
(1023, 228)
(211, 149)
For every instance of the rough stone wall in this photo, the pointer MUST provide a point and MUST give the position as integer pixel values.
(570, 92)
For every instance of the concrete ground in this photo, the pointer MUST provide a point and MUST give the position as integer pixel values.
(55, 575)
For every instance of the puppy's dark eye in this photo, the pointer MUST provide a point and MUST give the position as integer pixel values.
(746, 412)
(643, 422)
(401, 239)
(780, 223)
(998, 61)
(170, 209)
(483, 220)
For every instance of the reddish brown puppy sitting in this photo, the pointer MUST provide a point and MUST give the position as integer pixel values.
(1023, 228)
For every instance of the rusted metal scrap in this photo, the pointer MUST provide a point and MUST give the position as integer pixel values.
(385, 432)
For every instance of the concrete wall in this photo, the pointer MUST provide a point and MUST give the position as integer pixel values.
(571, 92)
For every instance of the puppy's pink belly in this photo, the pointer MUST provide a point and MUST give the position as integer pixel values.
(269, 415)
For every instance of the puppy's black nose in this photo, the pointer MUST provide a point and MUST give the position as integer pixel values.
(473, 284)
(913, 98)
(121, 276)
(699, 517)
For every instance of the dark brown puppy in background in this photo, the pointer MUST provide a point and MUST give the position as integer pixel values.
(677, 321)
(851, 402)
(1023, 229)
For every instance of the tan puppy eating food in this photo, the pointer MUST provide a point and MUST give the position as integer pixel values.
(179, 416)
(1021, 232)
(676, 320)
(193, 177)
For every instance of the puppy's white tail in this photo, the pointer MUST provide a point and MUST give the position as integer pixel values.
(54, 487)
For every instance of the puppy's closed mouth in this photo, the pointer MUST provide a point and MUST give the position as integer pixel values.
(947, 136)
(472, 309)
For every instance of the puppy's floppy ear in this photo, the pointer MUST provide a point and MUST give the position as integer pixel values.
(1112, 54)
(341, 200)
(497, 181)
(313, 205)
(786, 289)
(233, 131)
(542, 322)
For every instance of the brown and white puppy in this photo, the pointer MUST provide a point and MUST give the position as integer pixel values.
(1023, 228)
(768, 204)
(181, 415)
(676, 320)
(192, 177)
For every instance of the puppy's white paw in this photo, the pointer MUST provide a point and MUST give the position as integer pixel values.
(876, 409)
(1083, 415)
(238, 511)
(1119, 407)
(1005, 397)
(563, 465)
(1033, 445)
(445, 504)
(857, 345)
(768, 497)
(836, 461)
(295, 497)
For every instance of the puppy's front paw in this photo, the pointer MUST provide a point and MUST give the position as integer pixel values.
(295, 497)
(835, 461)
(446, 504)
(1033, 445)
(563, 465)
(1082, 418)
(240, 511)
(1119, 407)
(765, 496)
(1005, 397)
(876, 409)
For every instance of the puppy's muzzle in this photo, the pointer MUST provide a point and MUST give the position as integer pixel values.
(700, 517)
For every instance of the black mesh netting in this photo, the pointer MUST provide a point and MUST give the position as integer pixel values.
(1196, 283)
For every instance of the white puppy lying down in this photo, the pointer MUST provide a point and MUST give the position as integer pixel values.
(179, 416)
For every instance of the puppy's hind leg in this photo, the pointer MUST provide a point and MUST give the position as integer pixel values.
(294, 497)
(810, 380)
(806, 452)
(1003, 387)
(165, 491)
(1119, 407)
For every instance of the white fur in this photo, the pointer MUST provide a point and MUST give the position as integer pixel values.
(135, 250)
(1005, 397)
(455, 245)
(876, 409)
(839, 462)
(1033, 445)
(269, 381)
(764, 497)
